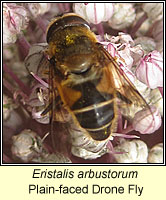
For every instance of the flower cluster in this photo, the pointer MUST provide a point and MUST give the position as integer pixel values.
(132, 33)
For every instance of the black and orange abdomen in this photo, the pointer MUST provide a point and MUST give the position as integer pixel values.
(94, 110)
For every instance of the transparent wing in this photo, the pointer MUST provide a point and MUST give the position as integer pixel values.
(58, 114)
(115, 81)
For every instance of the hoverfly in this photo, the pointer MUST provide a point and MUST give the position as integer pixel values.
(89, 82)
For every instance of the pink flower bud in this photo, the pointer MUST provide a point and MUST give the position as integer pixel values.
(94, 12)
(147, 121)
(38, 8)
(111, 49)
(153, 10)
(26, 145)
(135, 151)
(15, 19)
(150, 70)
(124, 16)
(156, 154)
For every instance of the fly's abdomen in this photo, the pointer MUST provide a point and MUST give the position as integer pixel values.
(97, 120)
(94, 112)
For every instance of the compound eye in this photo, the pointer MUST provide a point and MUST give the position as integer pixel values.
(69, 19)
